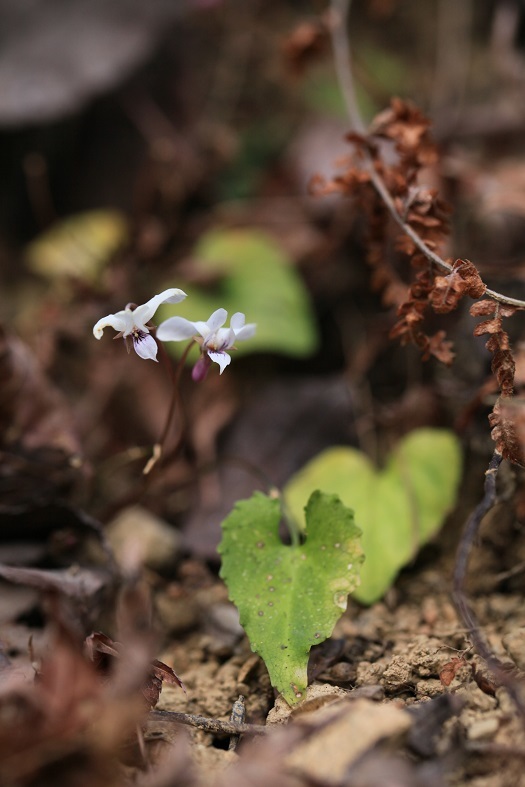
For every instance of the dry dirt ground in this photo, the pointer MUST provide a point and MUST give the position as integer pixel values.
(389, 702)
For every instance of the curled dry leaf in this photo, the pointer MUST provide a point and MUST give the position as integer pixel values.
(504, 367)
(483, 308)
(419, 207)
(488, 326)
(406, 125)
(450, 670)
(448, 290)
(503, 417)
(469, 273)
(306, 44)
(439, 347)
(489, 682)
(99, 647)
(66, 717)
(503, 364)
(507, 422)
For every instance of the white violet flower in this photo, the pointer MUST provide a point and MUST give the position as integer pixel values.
(213, 338)
(132, 323)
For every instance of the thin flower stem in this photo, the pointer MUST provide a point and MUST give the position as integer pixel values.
(343, 65)
(174, 374)
(291, 523)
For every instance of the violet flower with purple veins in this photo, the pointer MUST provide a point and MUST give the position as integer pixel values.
(132, 323)
(213, 338)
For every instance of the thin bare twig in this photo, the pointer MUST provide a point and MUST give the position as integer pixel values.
(215, 726)
(343, 64)
(494, 664)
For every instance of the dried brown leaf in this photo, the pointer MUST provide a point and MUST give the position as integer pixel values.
(504, 368)
(99, 646)
(304, 45)
(470, 274)
(448, 290)
(504, 431)
(483, 308)
(488, 326)
(449, 671)
(65, 718)
(440, 347)
(406, 125)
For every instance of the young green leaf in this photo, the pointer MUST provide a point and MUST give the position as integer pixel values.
(289, 597)
(78, 247)
(252, 273)
(398, 508)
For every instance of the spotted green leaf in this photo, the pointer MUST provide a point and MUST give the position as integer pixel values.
(289, 597)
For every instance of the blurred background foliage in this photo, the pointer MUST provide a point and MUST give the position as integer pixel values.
(174, 145)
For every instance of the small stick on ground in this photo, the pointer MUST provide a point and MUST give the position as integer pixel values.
(238, 716)
(215, 726)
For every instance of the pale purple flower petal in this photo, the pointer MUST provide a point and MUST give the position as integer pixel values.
(132, 322)
(202, 328)
(237, 321)
(222, 358)
(121, 322)
(246, 332)
(242, 331)
(217, 320)
(144, 313)
(145, 346)
(215, 339)
(176, 329)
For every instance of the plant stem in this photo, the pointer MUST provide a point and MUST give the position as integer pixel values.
(174, 374)
(291, 524)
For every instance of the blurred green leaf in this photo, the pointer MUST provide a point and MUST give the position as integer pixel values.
(398, 508)
(289, 597)
(78, 247)
(251, 274)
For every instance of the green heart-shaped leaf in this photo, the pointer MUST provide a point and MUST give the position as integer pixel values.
(398, 508)
(251, 273)
(289, 597)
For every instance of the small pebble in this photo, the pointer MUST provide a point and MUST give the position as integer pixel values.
(514, 644)
(139, 537)
(483, 728)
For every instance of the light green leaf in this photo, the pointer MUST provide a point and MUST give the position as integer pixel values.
(252, 274)
(289, 597)
(398, 508)
(78, 247)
